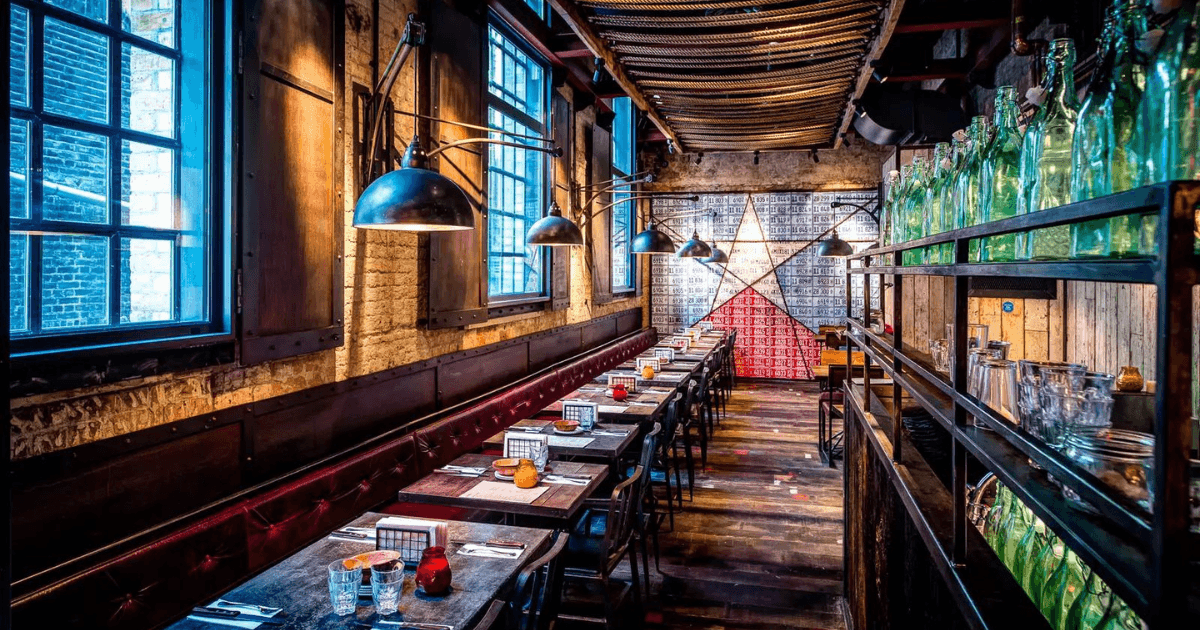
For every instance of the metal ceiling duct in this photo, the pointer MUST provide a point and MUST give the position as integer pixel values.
(908, 116)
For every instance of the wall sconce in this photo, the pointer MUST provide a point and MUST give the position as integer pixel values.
(413, 198)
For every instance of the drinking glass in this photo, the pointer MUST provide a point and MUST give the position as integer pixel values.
(939, 350)
(1121, 460)
(1029, 395)
(387, 580)
(997, 379)
(539, 452)
(343, 587)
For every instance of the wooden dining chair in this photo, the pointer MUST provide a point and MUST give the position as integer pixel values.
(688, 421)
(538, 592)
(494, 618)
(600, 540)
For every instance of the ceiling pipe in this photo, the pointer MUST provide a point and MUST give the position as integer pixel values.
(1020, 45)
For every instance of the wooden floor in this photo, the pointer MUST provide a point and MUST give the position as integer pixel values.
(760, 547)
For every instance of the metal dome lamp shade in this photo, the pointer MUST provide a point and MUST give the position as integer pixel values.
(694, 248)
(554, 230)
(414, 199)
(718, 255)
(834, 247)
(652, 241)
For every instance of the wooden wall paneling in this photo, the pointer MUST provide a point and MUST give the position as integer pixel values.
(937, 310)
(458, 291)
(1149, 317)
(1012, 328)
(1124, 304)
(596, 332)
(908, 311)
(1055, 322)
(549, 349)
(376, 407)
(290, 268)
(1037, 330)
(462, 379)
(628, 322)
(1105, 310)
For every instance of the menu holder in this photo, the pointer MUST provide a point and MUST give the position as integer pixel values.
(521, 445)
(666, 355)
(654, 364)
(410, 536)
(586, 413)
(682, 344)
(706, 325)
(630, 382)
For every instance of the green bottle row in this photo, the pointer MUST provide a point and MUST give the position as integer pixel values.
(1139, 124)
(1070, 595)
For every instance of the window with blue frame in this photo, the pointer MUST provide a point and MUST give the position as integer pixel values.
(538, 6)
(111, 230)
(518, 101)
(624, 215)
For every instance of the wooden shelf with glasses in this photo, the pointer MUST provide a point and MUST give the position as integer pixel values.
(1145, 558)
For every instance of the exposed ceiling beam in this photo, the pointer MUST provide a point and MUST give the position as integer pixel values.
(578, 23)
(888, 23)
(574, 50)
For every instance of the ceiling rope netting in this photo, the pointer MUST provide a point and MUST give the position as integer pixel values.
(742, 74)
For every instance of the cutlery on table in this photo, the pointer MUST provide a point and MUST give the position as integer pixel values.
(262, 610)
(565, 480)
(354, 535)
(226, 614)
(472, 549)
(414, 625)
(510, 544)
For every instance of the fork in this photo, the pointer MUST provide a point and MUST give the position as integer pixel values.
(262, 610)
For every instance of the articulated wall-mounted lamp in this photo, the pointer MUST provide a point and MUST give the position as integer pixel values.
(836, 247)
(413, 198)
(556, 230)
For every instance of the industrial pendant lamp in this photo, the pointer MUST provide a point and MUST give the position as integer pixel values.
(554, 230)
(652, 241)
(694, 248)
(718, 255)
(414, 199)
(834, 247)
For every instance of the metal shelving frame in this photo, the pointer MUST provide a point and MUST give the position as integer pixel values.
(1146, 559)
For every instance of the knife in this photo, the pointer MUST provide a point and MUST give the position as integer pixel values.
(222, 613)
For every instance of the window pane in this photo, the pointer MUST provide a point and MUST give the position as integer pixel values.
(622, 268)
(516, 78)
(94, 9)
(148, 186)
(539, 7)
(151, 19)
(18, 281)
(18, 158)
(74, 281)
(147, 280)
(76, 72)
(622, 136)
(516, 199)
(75, 172)
(147, 91)
(18, 64)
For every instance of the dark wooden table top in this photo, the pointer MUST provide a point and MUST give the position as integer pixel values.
(559, 501)
(678, 365)
(643, 405)
(299, 583)
(608, 447)
(664, 380)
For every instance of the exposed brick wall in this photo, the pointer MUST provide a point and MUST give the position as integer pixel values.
(385, 293)
(850, 168)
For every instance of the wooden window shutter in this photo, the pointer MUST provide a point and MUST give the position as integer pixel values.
(455, 43)
(292, 210)
(600, 170)
(560, 263)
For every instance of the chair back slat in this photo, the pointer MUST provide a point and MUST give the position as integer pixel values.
(538, 592)
(619, 528)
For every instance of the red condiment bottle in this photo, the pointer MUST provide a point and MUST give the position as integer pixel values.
(619, 393)
(433, 574)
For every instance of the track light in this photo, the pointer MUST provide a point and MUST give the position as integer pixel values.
(699, 157)
(756, 158)
(815, 158)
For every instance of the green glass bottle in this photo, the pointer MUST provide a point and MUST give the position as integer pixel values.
(900, 221)
(1019, 521)
(1044, 565)
(1061, 590)
(888, 215)
(1108, 133)
(1120, 617)
(950, 200)
(1046, 153)
(1001, 182)
(1091, 606)
(991, 530)
(914, 205)
(941, 168)
(1029, 547)
(970, 173)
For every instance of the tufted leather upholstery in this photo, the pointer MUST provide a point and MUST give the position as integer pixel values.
(153, 584)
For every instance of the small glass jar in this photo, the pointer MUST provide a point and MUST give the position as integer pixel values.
(433, 573)
(1121, 460)
(939, 351)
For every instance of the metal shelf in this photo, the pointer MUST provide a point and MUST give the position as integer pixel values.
(1143, 557)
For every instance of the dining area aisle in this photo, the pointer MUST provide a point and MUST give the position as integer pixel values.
(760, 545)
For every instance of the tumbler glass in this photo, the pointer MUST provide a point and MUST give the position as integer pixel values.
(539, 452)
(387, 580)
(343, 587)
(939, 350)
(997, 379)
(1029, 393)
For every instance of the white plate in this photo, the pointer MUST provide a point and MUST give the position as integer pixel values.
(577, 430)
(503, 477)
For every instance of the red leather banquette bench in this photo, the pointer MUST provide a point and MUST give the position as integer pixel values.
(158, 581)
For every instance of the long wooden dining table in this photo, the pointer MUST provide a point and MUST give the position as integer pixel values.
(299, 583)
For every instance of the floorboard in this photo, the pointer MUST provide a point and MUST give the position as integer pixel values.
(760, 546)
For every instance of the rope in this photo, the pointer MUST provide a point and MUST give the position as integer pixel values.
(733, 85)
(666, 80)
(757, 49)
(863, 19)
(741, 19)
(677, 5)
(839, 52)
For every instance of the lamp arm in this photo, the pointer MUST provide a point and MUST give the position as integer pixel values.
(636, 176)
(382, 94)
(610, 188)
(555, 151)
(588, 217)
